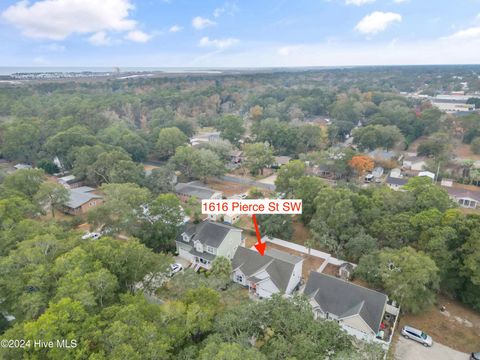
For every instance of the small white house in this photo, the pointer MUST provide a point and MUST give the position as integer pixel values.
(275, 272)
(201, 243)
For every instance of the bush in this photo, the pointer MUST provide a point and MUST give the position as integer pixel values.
(475, 145)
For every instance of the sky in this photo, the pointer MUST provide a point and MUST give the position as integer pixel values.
(242, 33)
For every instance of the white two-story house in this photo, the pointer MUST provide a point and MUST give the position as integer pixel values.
(201, 243)
(275, 272)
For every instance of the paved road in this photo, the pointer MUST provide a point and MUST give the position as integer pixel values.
(411, 350)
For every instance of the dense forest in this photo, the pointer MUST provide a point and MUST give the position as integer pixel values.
(412, 244)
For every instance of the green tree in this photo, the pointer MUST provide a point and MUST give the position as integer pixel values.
(63, 142)
(207, 164)
(114, 167)
(122, 207)
(13, 209)
(428, 195)
(25, 181)
(258, 156)
(161, 222)
(169, 139)
(48, 166)
(21, 141)
(408, 276)
(184, 160)
(229, 351)
(307, 189)
(160, 180)
(278, 226)
(288, 174)
(475, 145)
(221, 267)
(231, 128)
(360, 245)
(52, 196)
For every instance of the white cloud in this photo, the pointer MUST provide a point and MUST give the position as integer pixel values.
(201, 22)
(470, 33)
(175, 28)
(217, 43)
(228, 8)
(100, 39)
(400, 1)
(57, 19)
(138, 36)
(377, 21)
(287, 50)
(358, 2)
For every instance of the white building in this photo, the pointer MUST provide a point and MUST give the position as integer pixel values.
(275, 272)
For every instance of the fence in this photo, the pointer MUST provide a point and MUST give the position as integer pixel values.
(329, 259)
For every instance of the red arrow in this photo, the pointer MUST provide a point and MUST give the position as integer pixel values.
(259, 245)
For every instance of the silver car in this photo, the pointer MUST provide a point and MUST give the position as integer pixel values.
(411, 333)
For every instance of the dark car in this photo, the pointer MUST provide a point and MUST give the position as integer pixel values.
(475, 356)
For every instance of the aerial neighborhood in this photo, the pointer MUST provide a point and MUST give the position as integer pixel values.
(101, 220)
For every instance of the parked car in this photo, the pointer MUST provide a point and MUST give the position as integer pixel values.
(92, 235)
(411, 333)
(475, 356)
(175, 268)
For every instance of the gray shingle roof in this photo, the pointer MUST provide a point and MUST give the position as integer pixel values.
(462, 193)
(344, 299)
(396, 181)
(208, 232)
(193, 189)
(80, 195)
(277, 264)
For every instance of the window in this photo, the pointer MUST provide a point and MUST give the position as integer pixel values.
(239, 278)
(211, 250)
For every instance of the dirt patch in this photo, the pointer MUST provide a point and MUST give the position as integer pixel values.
(300, 233)
(331, 270)
(458, 327)
(149, 167)
(310, 263)
(464, 151)
(228, 188)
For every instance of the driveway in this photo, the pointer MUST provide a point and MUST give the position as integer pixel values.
(411, 350)
(182, 262)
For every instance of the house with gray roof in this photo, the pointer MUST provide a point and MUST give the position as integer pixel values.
(467, 196)
(81, 199)
(196, 189)
(361, 312)
(275, 272)
(201, 243)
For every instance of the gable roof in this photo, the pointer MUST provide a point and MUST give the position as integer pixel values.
(207, 232)
(396, 181)
(345, 299)
(459, 193)
(282, 160)
(277, 264)
(80, 195)
(195, 189)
